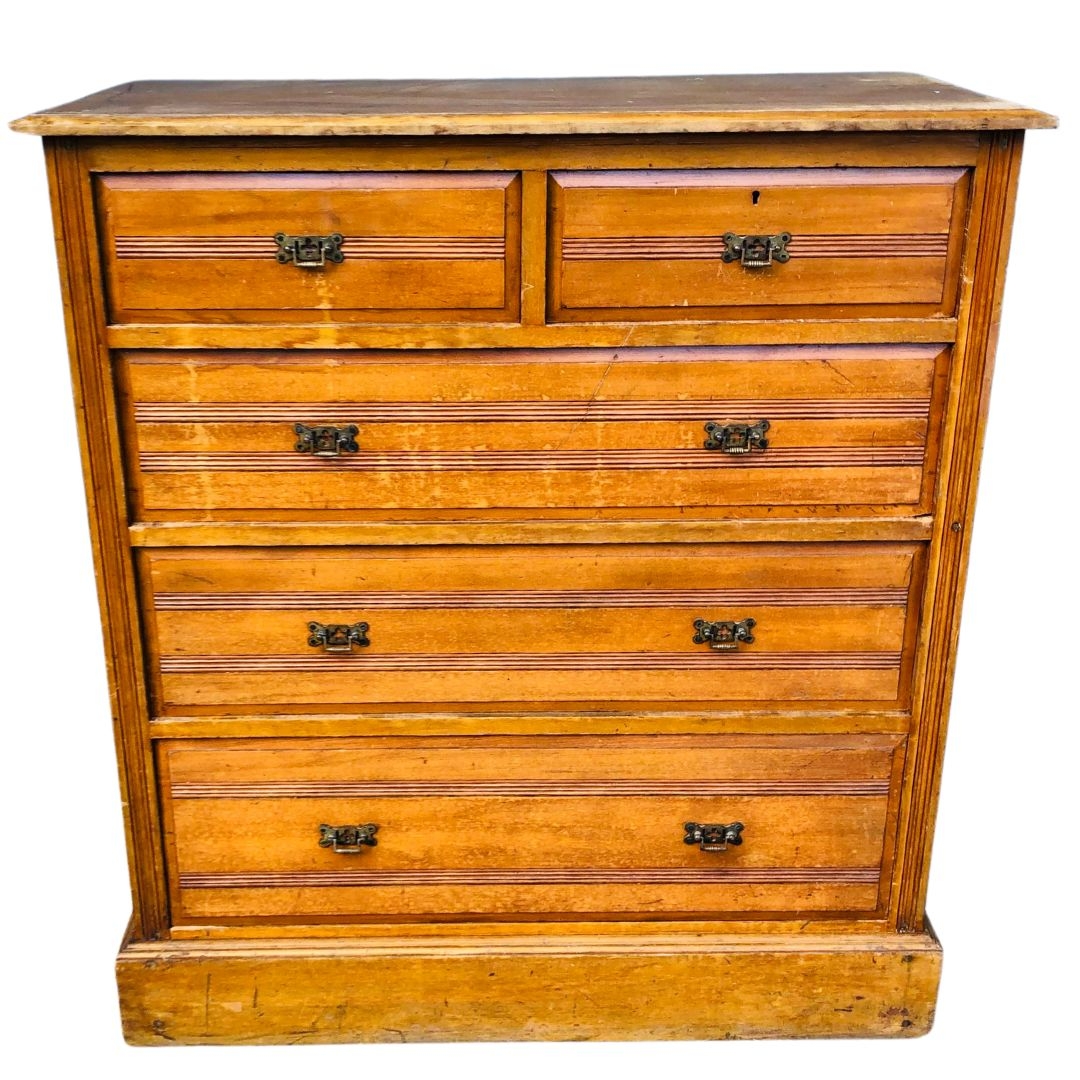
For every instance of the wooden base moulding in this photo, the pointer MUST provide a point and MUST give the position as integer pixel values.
(615, 986)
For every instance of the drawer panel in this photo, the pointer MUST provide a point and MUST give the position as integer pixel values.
(213, 434)
(416, 247)
(648, 245)
(511, 827)
(516, 626)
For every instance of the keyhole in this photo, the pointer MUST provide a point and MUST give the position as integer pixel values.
(754, 196)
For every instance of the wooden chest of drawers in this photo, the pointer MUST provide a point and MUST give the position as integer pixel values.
(531, 522)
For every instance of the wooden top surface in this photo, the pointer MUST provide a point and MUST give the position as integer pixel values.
(691, 103)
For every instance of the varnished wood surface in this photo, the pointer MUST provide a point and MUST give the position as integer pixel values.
(211, 433)
(417, 246)
(151, 154)
(568, 646)
(95, 400)
(966, 418)
(541, 986)
(580, 624)
(636, 244)
(658, 331)
(506, 827)
(496, 529)
(708, 103)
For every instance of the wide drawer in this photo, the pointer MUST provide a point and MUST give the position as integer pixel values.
(510, 827)
(764, 243)
(413, 247)
(847, 429)
(531, 627)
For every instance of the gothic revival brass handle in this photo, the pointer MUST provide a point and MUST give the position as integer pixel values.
(724, 636)
(326, 441)
(713, 837)
(309, 252)
(348, 839)
(756, 251)
(337, 637)
(736, 438)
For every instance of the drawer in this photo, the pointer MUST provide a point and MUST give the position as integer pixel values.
(850, 428)
(844, 243)
(530, 627)
(414, 247)
(511, 827)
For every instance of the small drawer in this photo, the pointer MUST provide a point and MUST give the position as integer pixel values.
(303, 247)
(768, 243)
(380, 829)
(518, 628)
(843, 429)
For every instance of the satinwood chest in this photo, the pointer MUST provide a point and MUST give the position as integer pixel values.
(531, 521)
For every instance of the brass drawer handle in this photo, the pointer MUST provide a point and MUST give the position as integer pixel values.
(348, 839)
(724, 636)
(713, 837)
(326, 441)
(337, 637)
(755, 251)
(309, 252)
(736, 438)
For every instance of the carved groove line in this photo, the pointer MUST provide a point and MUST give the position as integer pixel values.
(358, 663)
(536, 461)
(554, 598)
(409, 789)
(929, 245)
(521, 411)
(354, 247)
(539, 876)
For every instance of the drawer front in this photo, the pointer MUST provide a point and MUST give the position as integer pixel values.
(414, 247)
(848, 429)
(511, 827)
(532, 627)
(845, 243)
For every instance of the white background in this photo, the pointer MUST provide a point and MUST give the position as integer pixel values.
(1002, 892)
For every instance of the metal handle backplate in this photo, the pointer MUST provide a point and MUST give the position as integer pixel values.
(713, 837)
(348, 839)
(309, 252)
(337, 637)
(736, 438)
(724, 636)
(755, 250)
(326, 441)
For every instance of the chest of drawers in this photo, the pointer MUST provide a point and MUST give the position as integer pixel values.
(530, 523)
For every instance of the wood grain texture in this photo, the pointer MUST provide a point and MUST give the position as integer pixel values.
(458, 529)
(968, 409)
(417, 246)
(648, 244)
(99, 443)
(537, 325)
(246, 844)
(809, 330)
(849, 642)
(540, 986)
(709, 103)
(847, 423)
(151, 154)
